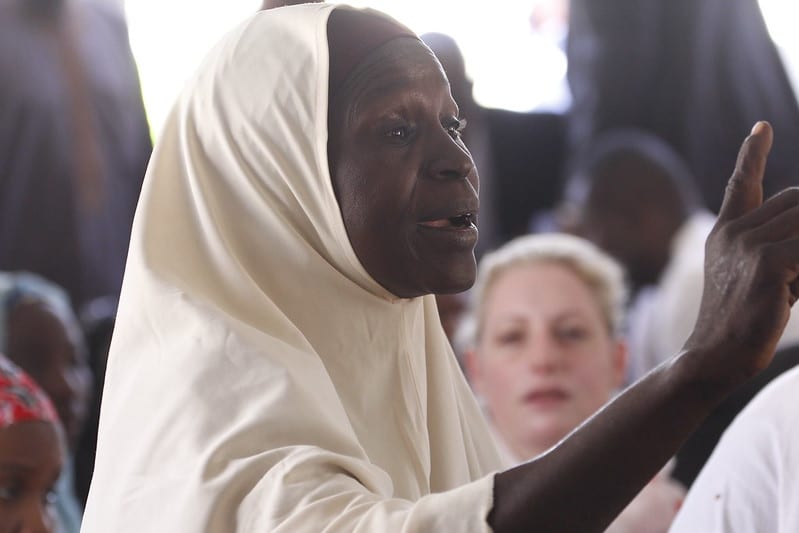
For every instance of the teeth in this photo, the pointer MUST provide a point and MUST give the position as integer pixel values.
(441, 223)
(462, 220)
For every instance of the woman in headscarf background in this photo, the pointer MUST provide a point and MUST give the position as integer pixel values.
(278, 363)
(31, 454)
(40, 333)
(546, 352)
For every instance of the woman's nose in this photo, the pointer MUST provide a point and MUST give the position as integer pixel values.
(37, 518)
(450, 160)
(542, 355)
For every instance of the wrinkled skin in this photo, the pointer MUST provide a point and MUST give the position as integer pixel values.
(401, 172)
(750, 269)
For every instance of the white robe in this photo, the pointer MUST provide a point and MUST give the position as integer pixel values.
(259, 378)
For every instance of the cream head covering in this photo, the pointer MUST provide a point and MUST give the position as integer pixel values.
(259, 379)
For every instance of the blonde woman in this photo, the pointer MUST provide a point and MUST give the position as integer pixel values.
(546, 353)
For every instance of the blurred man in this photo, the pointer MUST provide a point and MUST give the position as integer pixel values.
(74, 143)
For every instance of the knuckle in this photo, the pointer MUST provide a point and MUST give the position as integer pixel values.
(726, 233)
(749, 241)
(769, 256)
(792, 194)
(788, 197)
(735, 183)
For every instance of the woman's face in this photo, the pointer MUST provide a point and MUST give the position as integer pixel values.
(30, 463)
(405, 182)
(545, 360)
(53, 353)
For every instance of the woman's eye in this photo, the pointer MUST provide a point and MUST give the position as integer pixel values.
(8, 492)
(455, 128)
(399, 132)
(510, 337)
(50, 498)
(572, 333)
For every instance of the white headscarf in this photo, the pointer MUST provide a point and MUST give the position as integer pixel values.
(259, 378)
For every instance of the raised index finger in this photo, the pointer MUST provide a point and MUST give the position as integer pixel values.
(745, 189)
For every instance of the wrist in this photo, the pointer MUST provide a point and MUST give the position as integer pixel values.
(700, 374)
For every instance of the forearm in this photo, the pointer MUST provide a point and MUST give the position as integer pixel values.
(583, 483)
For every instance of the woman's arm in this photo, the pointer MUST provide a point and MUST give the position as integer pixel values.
(752, 263)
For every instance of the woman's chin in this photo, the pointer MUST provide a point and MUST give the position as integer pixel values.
(457, 278)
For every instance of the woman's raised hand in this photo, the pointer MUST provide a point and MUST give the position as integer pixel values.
(751, 268)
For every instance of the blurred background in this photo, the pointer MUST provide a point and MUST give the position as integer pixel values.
(168, 45)
(695, 73)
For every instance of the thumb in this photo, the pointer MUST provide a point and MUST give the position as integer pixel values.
(745, 189)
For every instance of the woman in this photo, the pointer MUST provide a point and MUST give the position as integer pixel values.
(275, 366)
(546, 353)
(31, 453)
(40, 333)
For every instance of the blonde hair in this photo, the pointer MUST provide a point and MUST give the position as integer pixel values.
(602, 274)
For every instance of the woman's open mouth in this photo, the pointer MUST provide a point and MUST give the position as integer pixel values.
(463, 221)
(546, 397)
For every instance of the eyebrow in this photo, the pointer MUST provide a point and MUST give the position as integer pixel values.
(513, 315)
(379, 91)
(13, 468)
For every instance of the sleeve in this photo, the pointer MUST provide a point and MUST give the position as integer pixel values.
(329, 499)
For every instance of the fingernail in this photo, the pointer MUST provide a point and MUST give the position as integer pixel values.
(758, 127)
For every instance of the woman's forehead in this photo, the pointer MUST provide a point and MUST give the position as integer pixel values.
(543, 279)
(398, 65)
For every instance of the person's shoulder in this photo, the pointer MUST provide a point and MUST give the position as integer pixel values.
(777, 398)
(743, 487)
(766, 427)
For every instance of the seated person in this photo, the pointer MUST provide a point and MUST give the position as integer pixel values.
(31, 454)
(697, 449)
(40, 333)
(750, 482)
(634, 197)
(546, 353)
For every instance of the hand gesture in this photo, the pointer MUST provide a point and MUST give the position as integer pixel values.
(751, 269)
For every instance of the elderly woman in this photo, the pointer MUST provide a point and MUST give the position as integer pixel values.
(546, 353)
(31, 454)
(278, 363)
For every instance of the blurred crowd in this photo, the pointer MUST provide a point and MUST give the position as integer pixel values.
(592, 230)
